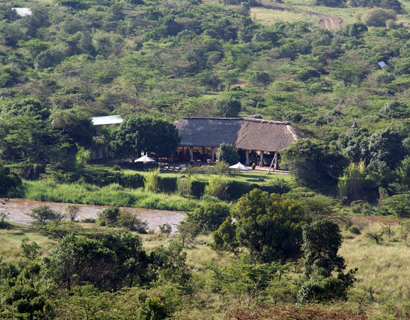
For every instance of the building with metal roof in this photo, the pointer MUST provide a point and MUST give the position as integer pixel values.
(106, 120)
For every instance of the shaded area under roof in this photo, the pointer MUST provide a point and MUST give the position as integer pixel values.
(208, 132)
(106, 120)
(243, 133)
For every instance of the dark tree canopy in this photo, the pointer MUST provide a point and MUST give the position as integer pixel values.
(8, 181)
(137, 134)
(269, 226)
(314, 164)
(227, 153)
(210, 216)
(321, 242)
(116, 261)
(228, 107)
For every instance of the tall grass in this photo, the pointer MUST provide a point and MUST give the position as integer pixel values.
(383, 280)
(151, 180)
(112, 195)
(217, 187)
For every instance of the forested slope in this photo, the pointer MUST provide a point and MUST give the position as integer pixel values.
(172, 59)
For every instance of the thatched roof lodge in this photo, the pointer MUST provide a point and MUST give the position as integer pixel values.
(257, 140)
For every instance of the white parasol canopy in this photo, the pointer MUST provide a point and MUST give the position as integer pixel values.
(145, 159)
(239, 166)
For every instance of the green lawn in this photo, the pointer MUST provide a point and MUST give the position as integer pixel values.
(270, 16)
(257, 177)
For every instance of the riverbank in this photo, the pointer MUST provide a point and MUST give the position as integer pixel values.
(18, 210)
(112, 195)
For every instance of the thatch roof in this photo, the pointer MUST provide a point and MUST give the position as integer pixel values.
(208, 132)
(243, 133)
(354, 126)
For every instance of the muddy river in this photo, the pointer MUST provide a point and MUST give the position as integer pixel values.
(19, 208)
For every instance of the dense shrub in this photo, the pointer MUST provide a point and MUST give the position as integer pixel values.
(217, 187)
(278, 186)
(377, 17)
(321, 289)
(29, 171)
(227, 153)
(167, 184)
(189, 187)
(100, 177)
(210, 217)
(114, 217)
(235, 189)
(198, 188)
(109, 217)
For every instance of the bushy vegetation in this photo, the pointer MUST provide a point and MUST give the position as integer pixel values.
(153, 62)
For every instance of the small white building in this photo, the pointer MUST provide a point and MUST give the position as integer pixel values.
(107, 120)
(23, 12)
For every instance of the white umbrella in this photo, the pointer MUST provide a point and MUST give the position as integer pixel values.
(145, 159)
(239, 166)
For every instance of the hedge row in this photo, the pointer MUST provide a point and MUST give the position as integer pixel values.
(232, 190)
(100, 178)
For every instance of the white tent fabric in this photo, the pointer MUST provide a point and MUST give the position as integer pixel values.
(239, 166)
(145, 159)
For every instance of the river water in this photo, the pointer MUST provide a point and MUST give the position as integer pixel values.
(18, 210)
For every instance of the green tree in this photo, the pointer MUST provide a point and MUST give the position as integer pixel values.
(71, 211)
(109, 217)
(27, 137)
(260, 78)
(403, 172)
(187, 230)
(269, 226)
(321, 242)
(44, 214)
(74, 126)
(25, 294)
(210, 216)
(377, 17)
(228, 107)
(399, 205)
(387, 146)
(136, 135)
(8, 181)
(227, 153)
(355, 183)
(170, 264)
(314, 164)
(30, 250)
(111, 263)
(85, 302)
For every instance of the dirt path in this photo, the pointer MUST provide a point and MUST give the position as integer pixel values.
(18, 209)
(329, 22)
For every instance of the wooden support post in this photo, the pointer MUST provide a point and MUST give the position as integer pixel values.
(247, 157)
(276, 161)
(212, 154)
(191, 153)
(261, 162)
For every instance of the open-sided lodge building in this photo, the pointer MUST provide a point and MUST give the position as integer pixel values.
(256, 140)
